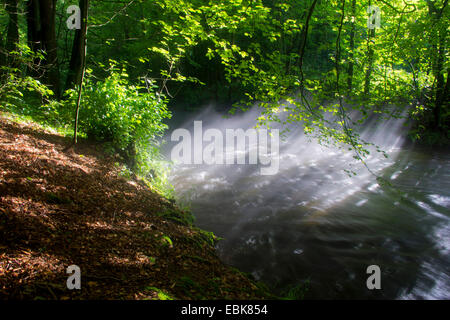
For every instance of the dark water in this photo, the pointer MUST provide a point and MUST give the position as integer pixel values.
(312, 221)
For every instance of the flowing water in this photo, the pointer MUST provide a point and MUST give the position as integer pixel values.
(312, 224)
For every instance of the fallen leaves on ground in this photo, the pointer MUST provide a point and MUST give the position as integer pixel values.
(62, 208)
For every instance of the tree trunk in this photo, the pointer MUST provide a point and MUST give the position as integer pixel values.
(12, 37)
(440, 82)
(12, 33)
(33, 25)
(33, 33)
(2, 53)
(78, 49)
(370, 59)
(49, 45)
(305, 36)
(439, 63)
(83, 64)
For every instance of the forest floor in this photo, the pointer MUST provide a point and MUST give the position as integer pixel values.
(60, 208)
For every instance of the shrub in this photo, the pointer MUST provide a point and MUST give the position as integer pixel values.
(127, 117)
(16, 87)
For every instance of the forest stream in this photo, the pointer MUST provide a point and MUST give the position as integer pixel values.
(313, 225)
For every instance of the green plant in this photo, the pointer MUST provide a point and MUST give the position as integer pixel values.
(167, 242)
(208, 237)
(127, 117)
(154, 170)
(161, 294)
(117, 111)
(190, 287)
(182, 216)
(16, 86)
(296, 292)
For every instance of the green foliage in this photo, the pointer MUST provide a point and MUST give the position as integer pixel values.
(297, 292)
(209, 237)
(127, 117)
(251, 51)
(161, 294)
(166, 241)
(16, 86)
(190, 287)
(155, 170)
(183, 217)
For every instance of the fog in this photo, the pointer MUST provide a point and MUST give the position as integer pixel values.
(314, 220)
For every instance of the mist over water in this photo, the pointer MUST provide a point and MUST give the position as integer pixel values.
(312, 221)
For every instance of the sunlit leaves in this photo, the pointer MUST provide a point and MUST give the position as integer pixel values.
(117, 111)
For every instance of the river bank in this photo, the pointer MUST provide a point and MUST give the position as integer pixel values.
(61, 208)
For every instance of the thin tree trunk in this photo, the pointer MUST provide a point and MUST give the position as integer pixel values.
(33, 32)
(370, 60)
(2, 54)
(305, 38)
(352, 48)
(440, 81)
(302, 53)
(84, 29)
